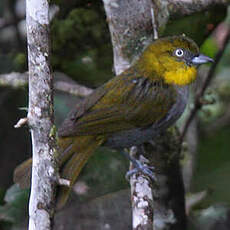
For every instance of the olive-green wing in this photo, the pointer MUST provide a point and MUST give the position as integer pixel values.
(80, 109)
(125, 103)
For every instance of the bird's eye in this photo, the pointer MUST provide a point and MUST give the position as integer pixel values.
(179, 52)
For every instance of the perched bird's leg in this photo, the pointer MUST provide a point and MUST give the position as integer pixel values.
(139, 166)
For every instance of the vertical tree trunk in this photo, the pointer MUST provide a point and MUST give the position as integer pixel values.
(40, 116)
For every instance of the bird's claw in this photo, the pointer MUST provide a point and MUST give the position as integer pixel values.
(139, 167)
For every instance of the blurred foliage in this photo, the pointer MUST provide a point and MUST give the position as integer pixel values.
(215, 217)
(82, 40)
(112, 211)
(14, 199)
(6, 64)
(106, 169)
(209, 47)
(20, 62)
(213, 159)
(197, 26)
(213, 166)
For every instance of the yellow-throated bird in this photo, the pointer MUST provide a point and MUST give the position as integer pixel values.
(129, 109)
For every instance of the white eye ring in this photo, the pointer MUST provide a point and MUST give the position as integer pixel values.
(179, 52)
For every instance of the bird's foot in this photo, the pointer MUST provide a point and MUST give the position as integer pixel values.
(146, 170)
(139, 167)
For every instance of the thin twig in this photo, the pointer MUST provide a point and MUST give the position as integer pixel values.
(210, 76)
(154, 24)
(62, 181)
(21, 122)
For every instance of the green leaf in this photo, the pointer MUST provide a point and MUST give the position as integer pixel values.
(16, 200)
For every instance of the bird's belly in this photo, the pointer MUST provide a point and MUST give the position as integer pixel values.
(131, 137)
(138, 136)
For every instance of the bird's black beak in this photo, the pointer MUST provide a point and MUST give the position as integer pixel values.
(201, 59)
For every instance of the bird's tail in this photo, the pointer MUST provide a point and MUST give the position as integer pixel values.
(22, 174)
(74, 153)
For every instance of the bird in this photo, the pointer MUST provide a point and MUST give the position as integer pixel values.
(130, 109)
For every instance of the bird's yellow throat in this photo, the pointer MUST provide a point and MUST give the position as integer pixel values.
(181, 76)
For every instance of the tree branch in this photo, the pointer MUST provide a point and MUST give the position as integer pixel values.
(178, 8)
(65, 84)
(14, 80)
(168, 190)
(40, 117)
(130, 27)
(141, 196)
(62, 83)
(186, 7)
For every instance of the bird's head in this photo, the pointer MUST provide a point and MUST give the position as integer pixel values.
(175, 59)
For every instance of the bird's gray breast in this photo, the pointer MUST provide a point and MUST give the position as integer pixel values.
(138, 136)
